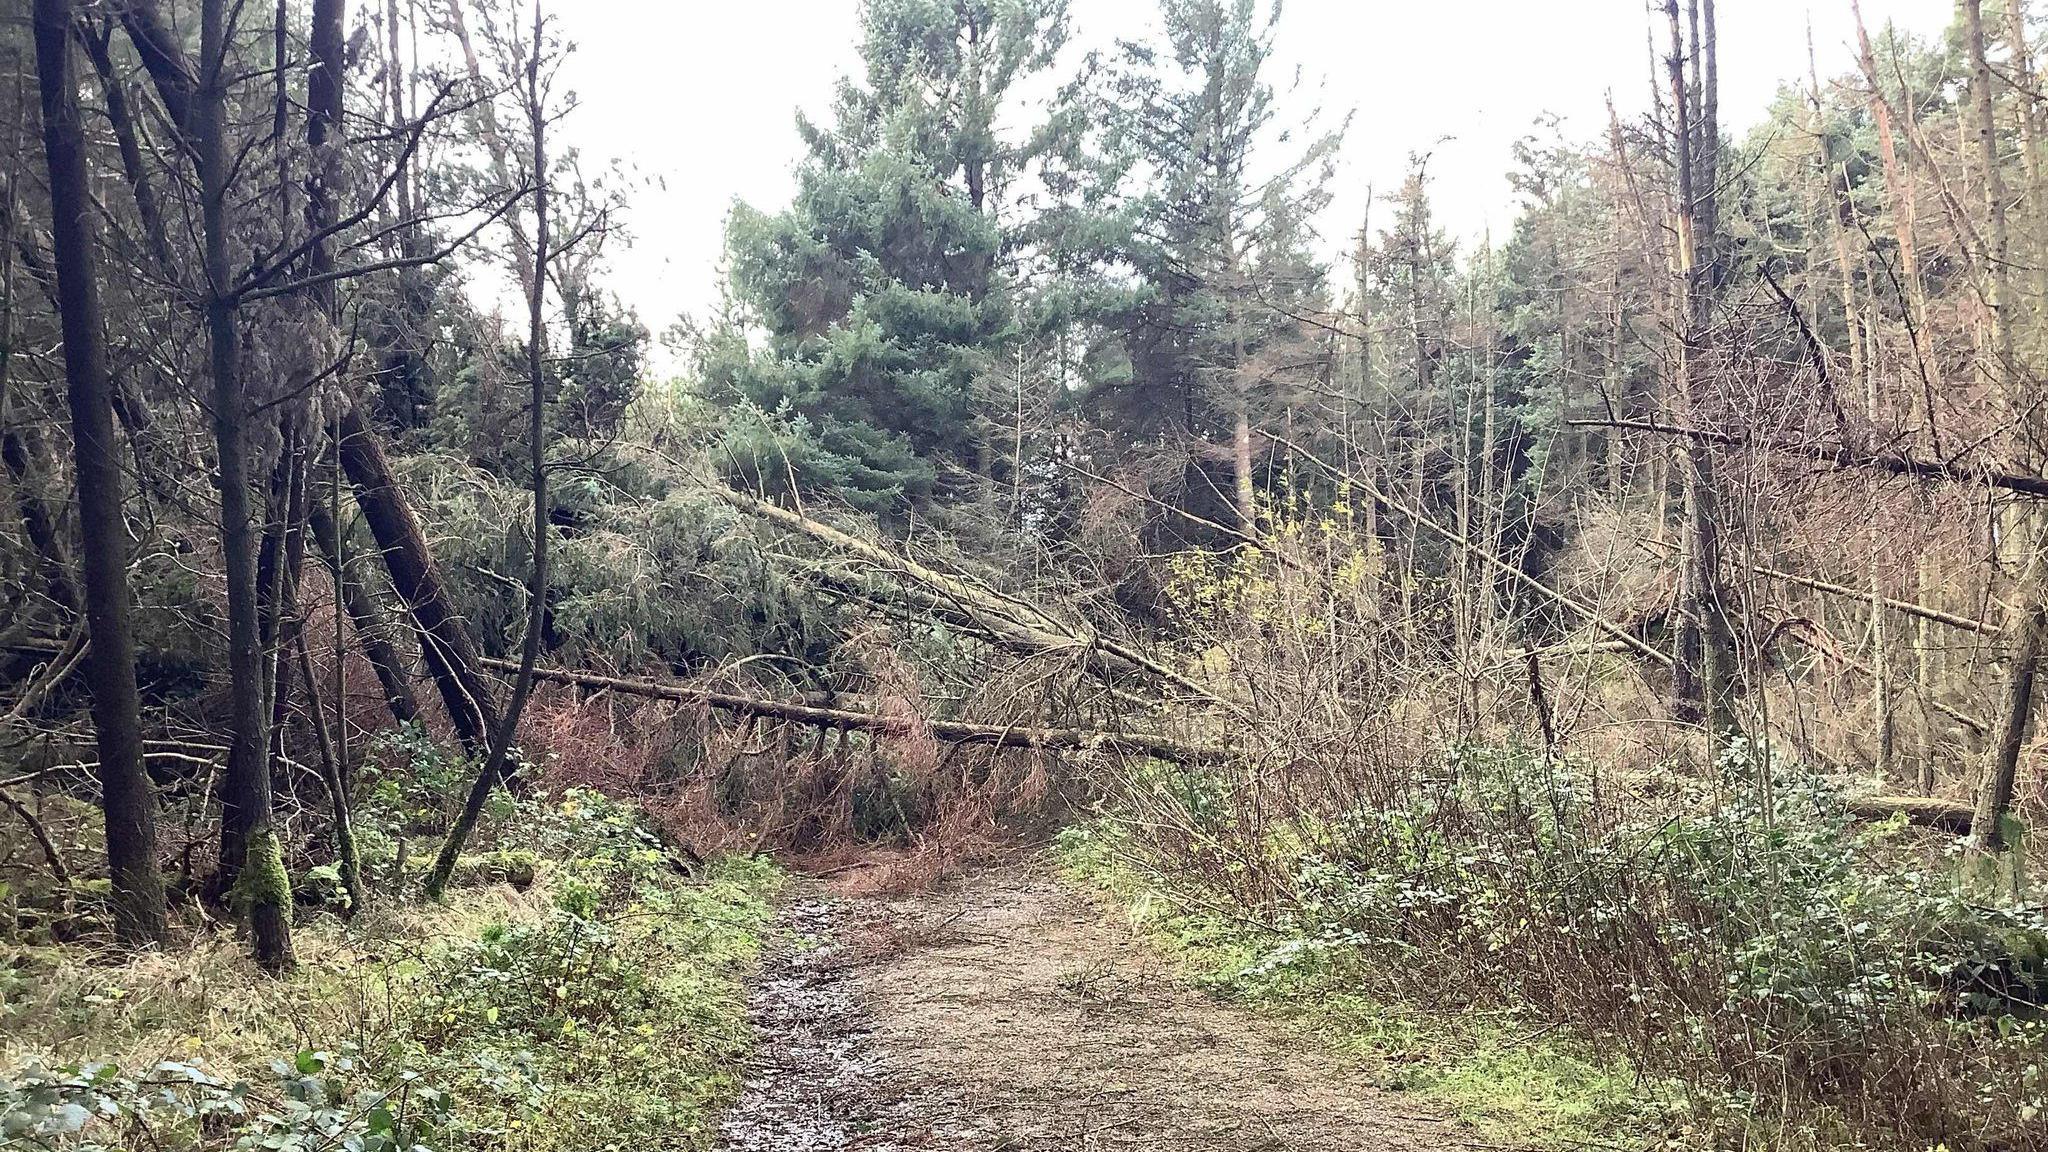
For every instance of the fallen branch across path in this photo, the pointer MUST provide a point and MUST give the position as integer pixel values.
(951, 731)
(1947, 815)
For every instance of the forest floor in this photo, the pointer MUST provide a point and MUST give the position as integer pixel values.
(1003, 1012)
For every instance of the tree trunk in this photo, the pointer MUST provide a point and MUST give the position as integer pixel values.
(1994, 795)
(1997, 244)
(1703, 652)
(250, 848)
(497, 760)
(286, 620)
(445, 640)
(127, 799)
(270, 572)
(1905, 212)
(324, 92)
(122, 119)
(20, 449)
(334, 777)
(2025, 93)
(1245, 499)
(2001, 769)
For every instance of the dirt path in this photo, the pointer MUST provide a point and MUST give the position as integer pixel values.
(1002, 1014)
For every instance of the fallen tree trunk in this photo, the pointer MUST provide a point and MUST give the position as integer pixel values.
(1927, 811)
(1907, 607)
(952, 731)
(1896, 463)
(1009, 621)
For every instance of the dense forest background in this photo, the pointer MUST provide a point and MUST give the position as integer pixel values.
(1633, 619)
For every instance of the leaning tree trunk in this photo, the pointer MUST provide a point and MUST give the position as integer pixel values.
(127, 799)
(2001, 772)
(2001, 768)
(445, 640)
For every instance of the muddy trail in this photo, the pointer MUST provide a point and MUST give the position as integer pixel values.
(1001, 1013)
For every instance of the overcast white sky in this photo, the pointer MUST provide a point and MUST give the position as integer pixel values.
(699, 98)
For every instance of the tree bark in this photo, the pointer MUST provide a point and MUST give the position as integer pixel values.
(285, 621)
(1997, 242)
(2001, 768)
(2026, 94)
(334, 776)
(1905, 216)
(324, 93)
(20, 449)
(251, 855)
(1703, 649)
(122, 119)
(164, 60)
(445, 640)
(126, 796)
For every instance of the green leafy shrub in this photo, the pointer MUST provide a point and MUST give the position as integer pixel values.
(307, 1106)
(603, 1009)
(1794, 970)
(412, 781)
(621, 1012)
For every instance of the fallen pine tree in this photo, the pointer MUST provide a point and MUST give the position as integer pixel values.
(1004, 620)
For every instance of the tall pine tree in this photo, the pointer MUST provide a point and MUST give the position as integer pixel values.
(881, 294)
(1218, 347)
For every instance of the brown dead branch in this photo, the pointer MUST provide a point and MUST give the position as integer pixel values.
(953, 731)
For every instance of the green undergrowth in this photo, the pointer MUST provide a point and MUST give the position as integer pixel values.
(585, 992)
(1514, 1081)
